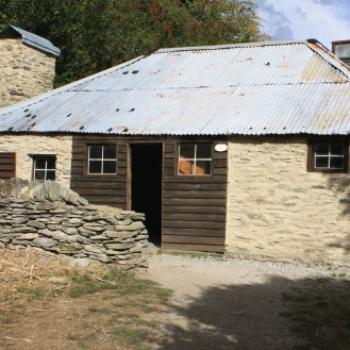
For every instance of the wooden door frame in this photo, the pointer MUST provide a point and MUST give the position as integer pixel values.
(129, 177)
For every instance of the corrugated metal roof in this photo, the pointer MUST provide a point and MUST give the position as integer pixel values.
(37, 41)
(253, 89)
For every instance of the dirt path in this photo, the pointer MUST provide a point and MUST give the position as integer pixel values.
(234, 304)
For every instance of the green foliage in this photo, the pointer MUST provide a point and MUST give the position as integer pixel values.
(96, 34)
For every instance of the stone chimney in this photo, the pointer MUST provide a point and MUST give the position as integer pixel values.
(27, 65)
(342, 50)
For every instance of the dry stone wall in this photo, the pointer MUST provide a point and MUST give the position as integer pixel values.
(57, 220)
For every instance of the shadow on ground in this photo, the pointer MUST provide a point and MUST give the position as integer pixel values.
(280, 314)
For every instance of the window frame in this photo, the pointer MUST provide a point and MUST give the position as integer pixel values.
(46, 169)
(102, 159)
(178, 153)
(312, 155)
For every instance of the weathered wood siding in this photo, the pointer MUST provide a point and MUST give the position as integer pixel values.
(99, 189)
(193, 207)
(7, 165)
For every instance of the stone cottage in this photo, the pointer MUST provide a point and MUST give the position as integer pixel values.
(238, 148)
(27, 65)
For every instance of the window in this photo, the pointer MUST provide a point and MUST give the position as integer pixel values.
(7, 165)
(102, 159)
(195, 159)
(44, 167)
(342, 50)
(328, 157)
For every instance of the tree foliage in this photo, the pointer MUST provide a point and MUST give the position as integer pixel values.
(96, 34)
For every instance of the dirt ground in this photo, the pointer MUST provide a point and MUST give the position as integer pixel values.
(243, 305)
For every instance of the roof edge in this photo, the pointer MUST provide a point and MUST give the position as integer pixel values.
(36, 41)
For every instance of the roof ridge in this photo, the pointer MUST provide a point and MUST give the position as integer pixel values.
(234, 45)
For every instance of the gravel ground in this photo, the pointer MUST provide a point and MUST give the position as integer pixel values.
(229, 304)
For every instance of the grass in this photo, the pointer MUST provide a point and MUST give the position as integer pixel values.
(319, 310)
(102, 308)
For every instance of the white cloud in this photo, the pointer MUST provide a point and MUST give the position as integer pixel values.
(325, 20)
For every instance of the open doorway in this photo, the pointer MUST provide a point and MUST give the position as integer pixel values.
(146, 186)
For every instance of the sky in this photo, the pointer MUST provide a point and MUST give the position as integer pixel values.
(325, 20)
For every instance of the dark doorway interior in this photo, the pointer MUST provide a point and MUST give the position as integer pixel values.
(146, 186)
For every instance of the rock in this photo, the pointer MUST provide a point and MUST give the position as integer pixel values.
(137, 225)
(69, 230)
(93, 227)
(20, 220)
(82, 262)
(93, 249)
(23, 229)
(86, 233)
(36, 224)
(28, 236)
(45, 243)
(117, 246)
(58, 280)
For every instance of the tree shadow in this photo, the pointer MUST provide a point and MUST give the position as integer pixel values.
(341, 186)
(278, 315)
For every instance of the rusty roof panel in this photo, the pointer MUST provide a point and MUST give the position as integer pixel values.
(275, 88)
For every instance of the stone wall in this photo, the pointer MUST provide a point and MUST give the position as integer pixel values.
(24, 71)
(276, 210)
(58, 220)
(26, 145)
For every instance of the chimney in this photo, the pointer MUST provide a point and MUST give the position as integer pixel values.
(27, 65)
(342, 50)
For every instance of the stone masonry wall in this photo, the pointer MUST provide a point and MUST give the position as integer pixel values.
(277, 210)
(57, 220)
(25, 145)
(24, 71)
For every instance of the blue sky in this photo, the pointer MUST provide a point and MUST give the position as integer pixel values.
(325, 20)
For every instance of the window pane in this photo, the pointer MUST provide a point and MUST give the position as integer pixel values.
(337, 162)
(322, 149)
(337, 149)
(110, 151)
(96, 151)
(51, 175)
(39, 163)
(321, 162)
(185, 167)
(109, 167)
(51, 162)
(95, 167)
(187, 151)
(39, 175)
(204, 150)
(203, 168)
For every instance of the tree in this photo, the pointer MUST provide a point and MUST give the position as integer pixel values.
(96, 34)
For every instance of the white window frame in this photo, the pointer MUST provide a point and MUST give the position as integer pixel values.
(194, 159)
(329, 156)
(45, 169)
(102, 159)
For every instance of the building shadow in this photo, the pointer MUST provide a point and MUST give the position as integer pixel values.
(278, 315)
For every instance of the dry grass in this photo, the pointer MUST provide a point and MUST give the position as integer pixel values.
(46, 303)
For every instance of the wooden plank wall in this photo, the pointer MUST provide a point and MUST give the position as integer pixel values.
(7, 165)
(108, 190)
(194, 207)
